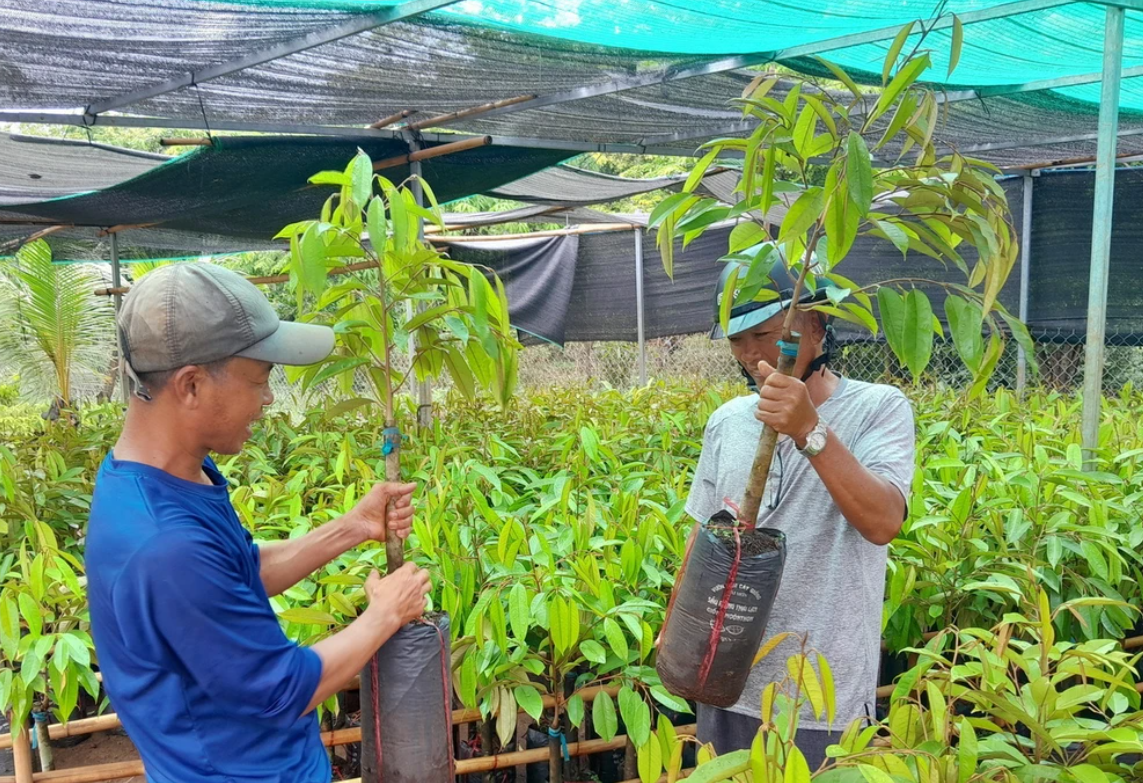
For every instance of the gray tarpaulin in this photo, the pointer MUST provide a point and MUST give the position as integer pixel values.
(538, 274)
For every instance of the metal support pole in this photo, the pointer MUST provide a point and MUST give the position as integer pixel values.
(639, 306)
(1025, 276)
(1101, 229)
(424, 388)
(117, 282)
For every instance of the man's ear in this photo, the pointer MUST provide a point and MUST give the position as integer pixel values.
(186, 385)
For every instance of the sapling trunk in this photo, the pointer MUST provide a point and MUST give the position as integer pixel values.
(756, 485)
(760, 470)
(394, 547)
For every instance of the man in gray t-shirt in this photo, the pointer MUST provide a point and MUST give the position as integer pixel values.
(837, 488)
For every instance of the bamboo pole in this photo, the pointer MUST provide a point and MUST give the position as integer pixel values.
(433, 152)
(22, 756)
(536, 755)
(385, 122)
(181, 141)
(16, 244)
(493, 221)
(111, 721)
(459, 115)
(123, 227)
(97, 773)
(589, 228)
(585, 228)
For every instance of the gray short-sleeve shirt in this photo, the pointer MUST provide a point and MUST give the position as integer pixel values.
(833, 584)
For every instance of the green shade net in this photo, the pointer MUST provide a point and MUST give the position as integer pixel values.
(239, 193)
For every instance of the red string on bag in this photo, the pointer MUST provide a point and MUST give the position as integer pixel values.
(720, 616)
(374, 681)
(724, 602)
(445, 680)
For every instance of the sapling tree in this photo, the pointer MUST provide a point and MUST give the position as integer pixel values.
(405, 295)
(930, 204)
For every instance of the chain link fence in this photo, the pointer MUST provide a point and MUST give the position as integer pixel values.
(1059, 366)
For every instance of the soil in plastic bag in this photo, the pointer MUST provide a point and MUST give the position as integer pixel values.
(413, 704)
(694, 661)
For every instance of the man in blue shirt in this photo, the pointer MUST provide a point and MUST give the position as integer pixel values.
(193, 657)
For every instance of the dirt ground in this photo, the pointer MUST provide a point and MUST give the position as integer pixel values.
(101, 748)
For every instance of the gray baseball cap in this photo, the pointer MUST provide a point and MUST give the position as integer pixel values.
(194, 313)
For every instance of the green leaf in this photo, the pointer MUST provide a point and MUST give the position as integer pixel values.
(699, 171)
(966, 751)
(726, 299)
(669, 700)
(467, 690)
(895, 234)
(310, 262)
(900, 83)
(593, 651)
(530, 701)
(842, 77)
(650, 760)
(804, 131)
(378, 226)
(519, 611)
(676, 201)
(333, 368)
(721, 768)
(1088, 773)
(345, 406)
(892, 310)
(9, 626)
(797, 769)
(636, 716)
(829, 692)
(575, 710)
(603, 716)
(874, 775)
(859, 173)
(361, 178)
(32, 615)
(614, 635)
(802, 215)
(746, 235)
(307, 616)
(957, 43)
(329, 178)
(965, 323)
(895, 51)
(918, 345)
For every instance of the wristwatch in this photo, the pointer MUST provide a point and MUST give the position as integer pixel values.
(816, 440)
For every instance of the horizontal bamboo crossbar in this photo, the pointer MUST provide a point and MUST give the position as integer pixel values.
(111, 721)
(536, 755)
(186, 142)
(459, 115)
(586, 228)
(128, 769)
(385, 122)
(433, 152)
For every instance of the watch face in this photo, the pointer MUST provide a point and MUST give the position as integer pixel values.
(816, 442)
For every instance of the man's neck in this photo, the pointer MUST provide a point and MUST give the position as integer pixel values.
(821, 385)
(149, 438)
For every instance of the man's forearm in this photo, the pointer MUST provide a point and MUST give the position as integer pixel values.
(285, 563)
(345, 654)
(868, 502)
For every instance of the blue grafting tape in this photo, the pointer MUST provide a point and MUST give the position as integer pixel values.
(563, 741)
(788, 349)
(392, 437)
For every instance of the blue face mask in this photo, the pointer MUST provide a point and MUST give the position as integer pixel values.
(815, 365)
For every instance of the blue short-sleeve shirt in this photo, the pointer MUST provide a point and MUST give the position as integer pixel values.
(193, 657)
